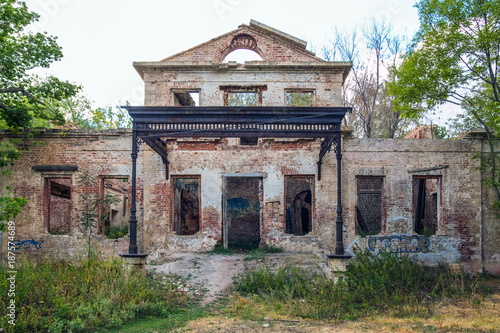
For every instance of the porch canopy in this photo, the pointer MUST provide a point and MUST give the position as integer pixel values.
(152, 124)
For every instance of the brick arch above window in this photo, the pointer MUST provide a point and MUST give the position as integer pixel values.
(241, 41)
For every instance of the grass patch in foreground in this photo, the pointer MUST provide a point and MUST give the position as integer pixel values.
(387, 284)
(78, 296)
(147, 325)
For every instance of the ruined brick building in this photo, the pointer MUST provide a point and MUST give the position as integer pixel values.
(239, 154)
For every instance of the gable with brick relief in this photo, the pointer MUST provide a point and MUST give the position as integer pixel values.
(271, 44)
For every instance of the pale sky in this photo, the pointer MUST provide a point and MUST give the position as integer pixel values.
(101, 38)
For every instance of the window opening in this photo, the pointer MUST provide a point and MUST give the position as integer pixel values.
(426, 204)
(299, 98)
(186, 206)
(186, 98)
(244, 96)
(242, 55)
(298, 197)
(250, 141)
(59, 205)
(117, 214)
(369, 209)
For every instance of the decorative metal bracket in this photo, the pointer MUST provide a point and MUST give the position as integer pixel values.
(326, 146)
(160, 147)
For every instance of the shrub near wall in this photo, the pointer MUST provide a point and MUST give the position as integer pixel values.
(60, 296)
(387, 283)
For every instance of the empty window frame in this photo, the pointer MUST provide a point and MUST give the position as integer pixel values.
(244, 96)
(299, 204)
(115, 215)
(186, 97)
(369, 208)
(426, 202)
(249, 141)
(299, 97)
(59, 205)
(186, 212)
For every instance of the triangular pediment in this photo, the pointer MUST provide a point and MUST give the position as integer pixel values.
(271, 44)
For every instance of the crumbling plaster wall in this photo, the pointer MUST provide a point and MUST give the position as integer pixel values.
(214, 159)
(458, 238)
(100, 152)
(159, 85)
(465, 202)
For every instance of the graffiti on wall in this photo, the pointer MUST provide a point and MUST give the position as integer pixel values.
(399, 243)
(27, 244)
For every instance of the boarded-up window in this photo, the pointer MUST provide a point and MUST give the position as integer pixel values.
(426, 197)
(369, 209)
(59, 205)
(298, 198)
(186, 205)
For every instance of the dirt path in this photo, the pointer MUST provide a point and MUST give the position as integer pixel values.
(214, 273)
(210, 273)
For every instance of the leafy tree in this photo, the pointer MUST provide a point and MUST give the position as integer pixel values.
(10, 207)
(94, 206)
(298, 98)
(25, 97)
(109, 118)
(78, 111)
(372, 54)
(455, 59)
(242, 99)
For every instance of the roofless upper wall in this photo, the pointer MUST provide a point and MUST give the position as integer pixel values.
(286, 66)
(271, 44)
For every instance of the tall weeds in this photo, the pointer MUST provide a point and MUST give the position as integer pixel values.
(386, 283)
(60, 296)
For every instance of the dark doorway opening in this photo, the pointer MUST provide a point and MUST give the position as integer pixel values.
(186, 205)
(426, 204)
(242, 212)
(298, 196)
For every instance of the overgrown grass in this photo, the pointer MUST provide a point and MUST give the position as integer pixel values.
(116, 232)
(62, 296)
(385, 284)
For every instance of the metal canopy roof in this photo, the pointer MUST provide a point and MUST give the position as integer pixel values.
(227, 121)
(153, 123)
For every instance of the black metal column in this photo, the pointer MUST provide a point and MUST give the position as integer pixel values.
(339, 248)
(133, 209)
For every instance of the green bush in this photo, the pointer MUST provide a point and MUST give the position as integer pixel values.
(116, 232)
(387, 282)
(61, 296)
